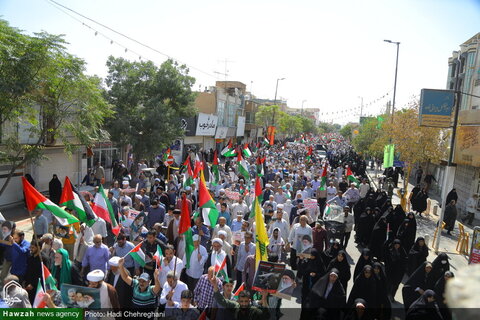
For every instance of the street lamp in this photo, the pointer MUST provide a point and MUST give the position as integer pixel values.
(396, 69)
(302, 105)
(275, 101)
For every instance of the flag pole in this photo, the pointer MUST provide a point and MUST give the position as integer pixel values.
(35, 235)
(43, 275)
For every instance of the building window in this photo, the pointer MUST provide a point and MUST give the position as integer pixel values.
(221, 113)
(249, 117)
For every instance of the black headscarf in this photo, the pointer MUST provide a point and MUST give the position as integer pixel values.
(440, 265)
(378, 237)
(343, 267)
(422, 309)
(384, 309)
(419, 279)
(362, 262)
(417, 255)
(364, 288)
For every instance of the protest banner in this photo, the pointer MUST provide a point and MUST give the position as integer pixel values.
(268, 276)
(232, 195)
(80, 297)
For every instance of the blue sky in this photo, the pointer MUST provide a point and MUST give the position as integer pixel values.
(330, 52)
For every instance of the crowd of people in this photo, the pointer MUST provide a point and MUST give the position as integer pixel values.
(301, 190)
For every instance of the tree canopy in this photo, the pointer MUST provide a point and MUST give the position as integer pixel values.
(150, 102)
(46, 96)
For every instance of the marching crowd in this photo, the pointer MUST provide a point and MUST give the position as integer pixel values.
(301, 190)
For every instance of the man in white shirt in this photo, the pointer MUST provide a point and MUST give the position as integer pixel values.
(197, 261)
(271, 202)
(281, 224)
(280, 196)
(169, 264)
(239, 207)
(172, 289)
(295, 239)
(352, 195)
(245, 249)
(100, 227)
(331, 191)
(364, 188)
(471, 205)
(222, 225)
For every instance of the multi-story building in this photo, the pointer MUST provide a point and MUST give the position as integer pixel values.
(467, 144)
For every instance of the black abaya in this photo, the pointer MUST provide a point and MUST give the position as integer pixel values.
(419, 279)
(395, 266)
(364, 288)
(343, 267)
(416, 256)
(55, 189)
(363, 260)
(422, 309)
(377, 239)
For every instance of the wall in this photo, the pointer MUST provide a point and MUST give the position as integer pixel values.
(205, 102)
(465, 177)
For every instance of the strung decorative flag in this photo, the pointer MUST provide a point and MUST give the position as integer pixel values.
(36, 200)
(138, 255)
(246, 151)
(73, 200)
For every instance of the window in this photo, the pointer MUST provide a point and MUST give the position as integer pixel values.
(249, 117)
(477, 83)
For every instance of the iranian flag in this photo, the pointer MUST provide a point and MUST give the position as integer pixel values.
(185, 229)
(215, 172)
(240, 289)
(221, 268)
(242, 167)
(188, 175)
(38, 302)
(138, 255)
(351, 177)
(103, 208)
(75, 201)
(327, 210)
(158, 257)
(36, 200)
(246, 151)
(260, 171)
(48, 278)
(323, 179)
(205, 201)
(309, 153)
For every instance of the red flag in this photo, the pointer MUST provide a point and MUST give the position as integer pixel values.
(215, 158)
(185, 223)
(258, 188)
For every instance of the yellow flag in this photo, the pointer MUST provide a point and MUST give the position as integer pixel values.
(261, 241)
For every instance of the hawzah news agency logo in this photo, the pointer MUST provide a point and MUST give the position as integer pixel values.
(6, 297)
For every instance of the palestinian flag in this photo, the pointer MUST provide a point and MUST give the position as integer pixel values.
(221, 268)
(242, 167)
(75, 201)
(246, 151)
(260, 171)
(103, 208)
(266, 141)
(229, 151)
(215, 172)
(167, 153)
(48, 278)
(158, 257)
(205, 201)
(323, 179)
(254, 147)
(188, 175)
(240, 289)
(309, 153)
(38, 302)
(327, 210)
(185, 230)
(138, 255)
(351, 177)
(261, 238)
(36, 200)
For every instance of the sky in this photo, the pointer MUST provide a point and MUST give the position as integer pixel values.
(331, 53)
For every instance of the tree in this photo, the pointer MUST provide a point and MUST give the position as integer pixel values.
(150, 102)
(290, 125)
(45, 93)
(268, 115)
(325, 127)
(346, 131)
(308, 125)
(370, 139)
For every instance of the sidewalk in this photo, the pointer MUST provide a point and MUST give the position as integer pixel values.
(426, 226)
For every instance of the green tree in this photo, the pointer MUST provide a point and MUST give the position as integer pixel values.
(370, 139)
(346, 131)
(325, 127)
(45, 93)
(266, 114)
(308, 125)
(150, 102)
(290, 125)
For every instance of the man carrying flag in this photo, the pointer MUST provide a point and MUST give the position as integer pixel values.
(351, 177)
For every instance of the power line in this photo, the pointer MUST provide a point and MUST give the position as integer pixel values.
(127, 37)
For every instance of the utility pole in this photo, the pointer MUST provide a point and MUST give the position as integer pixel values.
(275, 100)
(396, 70)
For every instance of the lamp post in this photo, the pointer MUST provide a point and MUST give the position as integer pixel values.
(275, 100)
(396, 69)
(302, 105)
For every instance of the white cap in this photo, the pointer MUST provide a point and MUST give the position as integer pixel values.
(125, 182)
(280, 206)
(114, 261)
(196, 237)
(139, 197)
(96, 275)
(222, 233)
